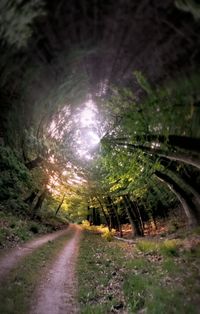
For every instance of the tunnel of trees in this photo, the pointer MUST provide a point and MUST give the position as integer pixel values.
(100, 111)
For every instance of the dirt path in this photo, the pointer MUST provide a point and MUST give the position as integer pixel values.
(56, 292)
(13, 256)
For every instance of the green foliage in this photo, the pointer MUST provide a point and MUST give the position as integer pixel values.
(191, 6)
(125, 166)
(143, 83)
(76, 208)
(16, 20)
(166, 109)
(16, 229)
(13, 229)
(15, 178)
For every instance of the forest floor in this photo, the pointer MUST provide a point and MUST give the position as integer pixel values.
(151, 275)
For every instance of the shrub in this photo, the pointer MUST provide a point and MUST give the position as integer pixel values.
(147, 246)
(107, 234)
(169, 247)
(85, 224)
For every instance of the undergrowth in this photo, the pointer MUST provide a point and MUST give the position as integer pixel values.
(99, 274)
(147, 277)
(14, 229)
(167, 247)
(104, 230)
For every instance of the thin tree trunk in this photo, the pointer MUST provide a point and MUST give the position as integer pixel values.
(111, 213)
(88, 214)
(118, 222)
(140, 219)
(104, 213)
(94, 216)
(59, 206)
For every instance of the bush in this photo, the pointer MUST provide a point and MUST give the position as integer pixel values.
(147, 246)
(86, 224)
(107, 234)
(169, 247)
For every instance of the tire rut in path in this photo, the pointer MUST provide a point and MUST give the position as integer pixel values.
(13, 256)
(56, 294)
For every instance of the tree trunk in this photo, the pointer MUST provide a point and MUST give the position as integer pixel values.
(196, 195)
(29, 200)
(59, 206)
(138, 218)
(172, 166)
(88, 214)
(193, 160)
(95, 216)
(39, 203)
(118, 222)
(104, 213)
(190, 212)
(183, 142)
(135, 224)
(111, 212)
(130, 217)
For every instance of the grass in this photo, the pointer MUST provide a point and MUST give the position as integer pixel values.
(151, 277)
(167, 247)
(19, 285)
(99, 273)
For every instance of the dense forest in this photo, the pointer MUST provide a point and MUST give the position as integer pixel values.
(100, 111)
(99, 144)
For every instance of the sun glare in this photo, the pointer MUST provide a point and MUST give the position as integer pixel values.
(83, 125)
(87, 132)
(94, 138)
